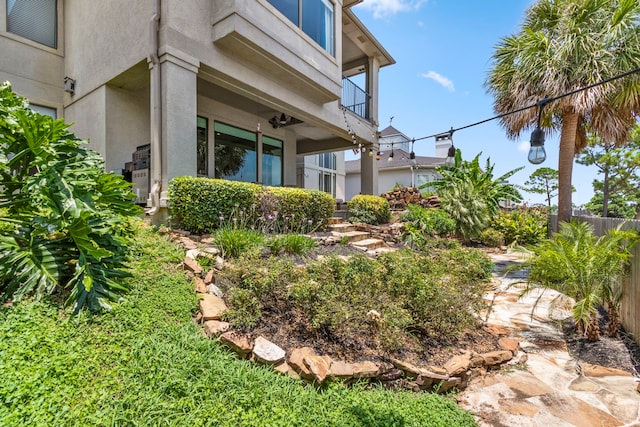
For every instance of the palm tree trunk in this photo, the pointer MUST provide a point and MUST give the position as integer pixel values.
(614, 322)
(565, 164)
(592, 331)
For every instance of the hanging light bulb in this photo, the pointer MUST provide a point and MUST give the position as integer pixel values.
(378, 154)
(283, 119)
(371, 152)
(450, 161)
(412, 155)
(537, 154)
(390, 159)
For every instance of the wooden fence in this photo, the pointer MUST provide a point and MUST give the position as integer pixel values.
(630, 284)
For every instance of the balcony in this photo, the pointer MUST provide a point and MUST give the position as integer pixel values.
(355, 99)
(256, 33)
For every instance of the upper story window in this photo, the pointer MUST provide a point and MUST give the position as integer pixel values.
(314, 17)
(33, 19)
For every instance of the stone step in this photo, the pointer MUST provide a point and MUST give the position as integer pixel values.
(352, 236)
(342, 227)
(335, 220)
(369, 244)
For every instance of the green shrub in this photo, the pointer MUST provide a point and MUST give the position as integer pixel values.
(235, 242)
(202, 204)
(369, 209)
(70, 221)
(522, 226)
(6, 225)
(295, 244)
(437, 294)
(422, 223)
(491, 238)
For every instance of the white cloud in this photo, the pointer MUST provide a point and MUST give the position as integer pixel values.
(523, 146)
(384, 8)
(440, 79)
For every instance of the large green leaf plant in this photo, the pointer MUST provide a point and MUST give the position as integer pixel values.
(471, 195)
(66, 223)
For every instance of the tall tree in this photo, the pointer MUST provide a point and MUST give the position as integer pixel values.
(543, 181)
(562, 46)
(619, 167)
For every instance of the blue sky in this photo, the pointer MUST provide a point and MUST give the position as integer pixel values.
(443, 50)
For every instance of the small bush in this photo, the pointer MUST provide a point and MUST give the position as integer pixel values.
(374, 209)
(236, 242)
(523, 226)
(491, 238)
(295, 244)
(422, 223)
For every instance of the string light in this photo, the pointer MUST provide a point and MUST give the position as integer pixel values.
(536, 137)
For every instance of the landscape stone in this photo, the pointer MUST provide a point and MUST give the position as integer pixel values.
(237, 342)
(518, 407)
(508, 344)
(496, 357)
(340, 369)
(449, 383)
(212, 307)
(391, 375)
(191, 265)
(589, 370)
(458, 364)
(214, 290)
(215, 327)
(219, 263)
(187, 243)
(267, 352)
(366, 369)
(412, 371)
(210, 250)
(209, 277)
(318, 366)
(296, 361)
(193, 253)
(284, 368)
(199, 286)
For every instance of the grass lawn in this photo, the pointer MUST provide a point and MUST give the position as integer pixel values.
(145, 363)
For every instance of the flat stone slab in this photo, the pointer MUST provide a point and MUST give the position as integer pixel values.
(212, 307)
(215, 327)
(267, 352)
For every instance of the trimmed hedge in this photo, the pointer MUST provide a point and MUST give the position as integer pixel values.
(203, 205)
(369, 209)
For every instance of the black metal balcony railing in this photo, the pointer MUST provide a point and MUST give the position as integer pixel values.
(355, 98)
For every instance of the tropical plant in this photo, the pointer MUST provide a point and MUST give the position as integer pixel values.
(619, 167)
(585, 268)
(70, 219)
(471, 195)
(562, 46)
(234, 242)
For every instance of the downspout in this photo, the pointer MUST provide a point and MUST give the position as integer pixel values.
(156, 112)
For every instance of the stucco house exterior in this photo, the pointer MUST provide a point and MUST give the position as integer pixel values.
(234, 89)
(399, 168)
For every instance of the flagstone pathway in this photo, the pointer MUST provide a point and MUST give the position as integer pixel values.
(551, 389)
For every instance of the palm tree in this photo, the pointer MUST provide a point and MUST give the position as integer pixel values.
(563, 46)
(585, 268)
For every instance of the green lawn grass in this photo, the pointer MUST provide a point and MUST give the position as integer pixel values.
(145, 363)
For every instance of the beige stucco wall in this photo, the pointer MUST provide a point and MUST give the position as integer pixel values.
(88, 117)
(34, 70)
(104, 39)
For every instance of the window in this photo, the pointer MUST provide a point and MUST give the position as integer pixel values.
(48, 111)
(236, 156)
(235, 153)
(314, 17)
(271, 161)
(33, 19)
(327, 161)
(202, 153)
